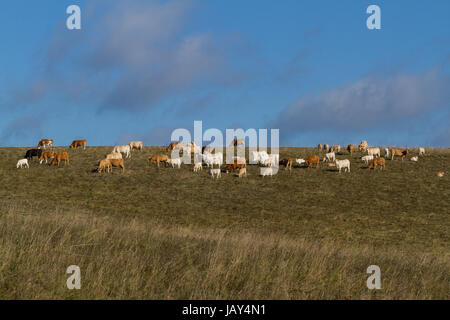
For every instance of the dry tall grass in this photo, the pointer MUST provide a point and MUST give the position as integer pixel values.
(140, 259)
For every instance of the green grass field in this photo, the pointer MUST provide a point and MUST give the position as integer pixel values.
(176, 234)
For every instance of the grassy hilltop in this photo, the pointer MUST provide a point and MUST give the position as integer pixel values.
(176, 234)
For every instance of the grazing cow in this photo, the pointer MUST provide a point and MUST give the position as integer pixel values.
(33, 153)
(104, 165)
(386, 152)
(399, 152)
(287, 163)
(158, 159)
(415, 159)
(78, 143)
(312, 160)
(326, 147)
(237, 142)
(421, 151)
(374, 152)
(117, 163)
(59, 157)
(123, 149)
(242, 172)
(266, 172)
(319, 147)
(235, 166)
(270, 160)
(114, 155)
(138, 145)
(175, 162)
(46, 155)
(440, 174)
(197, 166)
(366, 159)
(330, 156)
(175, 145)
(212, 159)
(336, 148)
(350, 149)
(300, 161)
(45, 143)
(377, 162)
(363, 145)
(342, 164)
(21, 163)
(215, 172)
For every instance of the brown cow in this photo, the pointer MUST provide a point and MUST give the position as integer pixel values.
(235, 165)
(336, 148)
(350, 149)
(45, 142)
(174, 145)
(60, 157)
(104, 164)
(399, 152)
(377, 162)
(117, 163)
(319, 147)
(158, 159)
(46, 155)
(312, 160)
(78, 143)
(287, 163)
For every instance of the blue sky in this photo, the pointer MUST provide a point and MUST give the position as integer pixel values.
(139, 69)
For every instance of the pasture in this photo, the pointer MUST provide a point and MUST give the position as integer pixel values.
(177, 234)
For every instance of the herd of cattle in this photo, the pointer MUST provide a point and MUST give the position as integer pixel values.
(207, 155)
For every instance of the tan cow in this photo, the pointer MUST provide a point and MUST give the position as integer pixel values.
(158, 159)
(78, 143)
(138, 145)
(350, 149)
(363, 145)
(62, 156)
(114, 155)
(336, 148)
(377, 162)
(399, 152)
(174, 145)
(46, 155)
(312, 160)
(104, 165)
(117, 163)
(319, 147)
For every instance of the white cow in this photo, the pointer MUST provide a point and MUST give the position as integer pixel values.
(197, 166)
(21, 163)
(136, 145)
(271, 160)
(421, 151)
(373, 152)
(266, 172)
(114, 155)
(415, 159)
(386, 152)
(343, 164)
(212, 159)
(123, 149)
(300, 161)
(175, 162)
(366, 159)
(330, 156)
(215, 172)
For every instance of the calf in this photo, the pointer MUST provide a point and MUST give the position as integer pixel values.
(21, 163)
(421, 151)
(197, 166)
(415, 159)
(266, 172)
(242, 172)
(215, 172)
(342, 164)
(377, 162)
(175, 162)
(300, 161)
(386, 152)
(104, 165)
